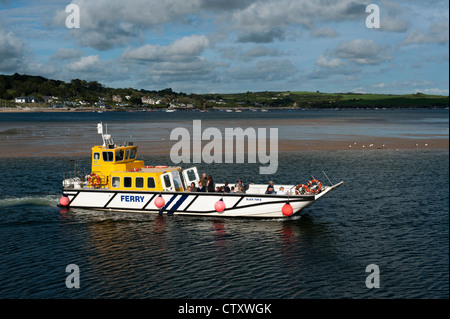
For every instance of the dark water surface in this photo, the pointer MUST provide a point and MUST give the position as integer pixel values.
(392, 211)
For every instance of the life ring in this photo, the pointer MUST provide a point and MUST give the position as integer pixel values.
(149, 166)
(136, 169)
(95, 180)
(161, 166)
(315, 186)
(303, 189)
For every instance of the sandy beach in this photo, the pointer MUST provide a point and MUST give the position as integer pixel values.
(356, 144)
(62, 135)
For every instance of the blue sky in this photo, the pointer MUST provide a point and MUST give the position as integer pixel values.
(225, 46)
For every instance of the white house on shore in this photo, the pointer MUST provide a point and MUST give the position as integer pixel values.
(27, 99)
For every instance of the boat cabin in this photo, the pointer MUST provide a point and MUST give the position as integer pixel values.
(117, 168)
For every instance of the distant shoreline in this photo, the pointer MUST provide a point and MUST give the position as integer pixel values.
(141, 109)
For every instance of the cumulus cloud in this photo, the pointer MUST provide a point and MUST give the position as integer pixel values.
(105, 24)
(394, 18)
(113, 23)
(66, 54)
(324, 32)
(333, 63)
(186, 48)
(361, 51)
(11, 51)
(266, 70)
(266, 21)
(88, 63)
(437, 33)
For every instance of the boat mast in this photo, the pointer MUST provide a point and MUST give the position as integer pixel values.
(105, 137)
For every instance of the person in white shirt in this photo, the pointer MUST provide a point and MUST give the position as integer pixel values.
(281, 191)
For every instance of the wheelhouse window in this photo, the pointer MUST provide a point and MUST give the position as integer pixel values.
(151, 182)
(108, 156)
(96, 156)
(119, 155)
(191, 174)
(133, 152)
(127, 182)
(139, 182)
(115, 181)
(167, 181)
(127, 153)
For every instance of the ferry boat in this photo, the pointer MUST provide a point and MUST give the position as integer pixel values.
(120, 182)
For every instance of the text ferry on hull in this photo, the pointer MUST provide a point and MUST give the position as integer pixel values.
(120, 182)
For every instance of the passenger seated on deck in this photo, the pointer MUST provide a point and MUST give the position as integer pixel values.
(193, 187)
(232, 189)
(240, 183)
(200, 187)
(281, 191)
(226, 187)
(240, 189)
(270, 188)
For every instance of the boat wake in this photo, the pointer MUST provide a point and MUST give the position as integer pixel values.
(38, 200)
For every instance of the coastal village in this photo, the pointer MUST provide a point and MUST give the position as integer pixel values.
(25, 92)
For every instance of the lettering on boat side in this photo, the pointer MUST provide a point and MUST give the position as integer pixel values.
(131, 198)
(255, 148)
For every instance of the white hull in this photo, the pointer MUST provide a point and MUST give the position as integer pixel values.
(187, 203)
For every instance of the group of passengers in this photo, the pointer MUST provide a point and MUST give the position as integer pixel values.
(206, 184)
(271, 189)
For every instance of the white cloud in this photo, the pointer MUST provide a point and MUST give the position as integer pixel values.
(182, 49)
(322, 61)
(433, 91)
(324, 32)
(394, 18)
(105, 24)
(84, 64)
(438, 33)
(266, 70)
(362, 51)
(11, 51)
(66, 54)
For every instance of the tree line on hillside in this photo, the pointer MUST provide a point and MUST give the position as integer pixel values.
(91, 92)
(17, 85)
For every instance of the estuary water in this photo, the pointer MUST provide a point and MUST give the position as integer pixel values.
(392, 211)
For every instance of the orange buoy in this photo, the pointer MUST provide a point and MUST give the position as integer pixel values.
(64, 200)
(149, 166)
(159, 201)
(287, 209)
(161, 166)
(219, 205)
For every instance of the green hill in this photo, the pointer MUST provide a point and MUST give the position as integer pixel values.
(17, 85)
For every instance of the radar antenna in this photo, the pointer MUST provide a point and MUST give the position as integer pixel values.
(107, 140)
